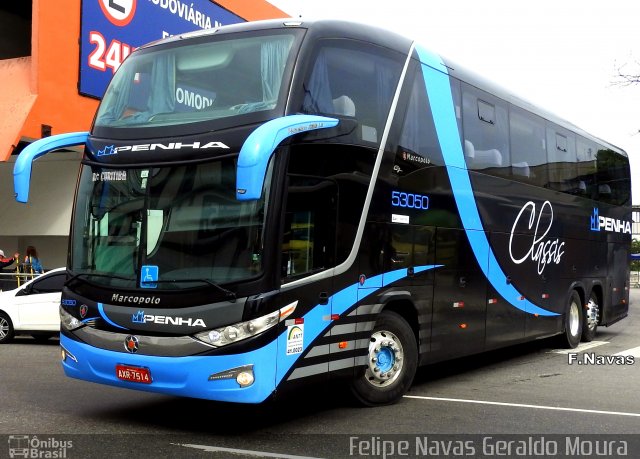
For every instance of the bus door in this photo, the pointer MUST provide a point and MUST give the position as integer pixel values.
(410, 247)
(309, 247)
(459, 305)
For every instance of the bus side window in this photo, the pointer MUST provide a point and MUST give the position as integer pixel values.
(486, 132)
(587, 169)
(309, 234)
(562, 158)
(528, 147)
(355, 80)
(418, 145)
(613, 177)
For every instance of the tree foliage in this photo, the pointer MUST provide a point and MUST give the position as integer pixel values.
(635, 248)
(627, 76)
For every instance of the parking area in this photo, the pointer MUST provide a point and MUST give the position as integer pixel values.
(530, 391)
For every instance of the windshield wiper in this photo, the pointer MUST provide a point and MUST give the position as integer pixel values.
(228, 293)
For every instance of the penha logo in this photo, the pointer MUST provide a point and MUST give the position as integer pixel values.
(113, 150)
(595, 221)
(611, 225)
(107, 151)
(138, 317)
(141, 318)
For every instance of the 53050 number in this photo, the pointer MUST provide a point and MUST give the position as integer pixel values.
(409, 200)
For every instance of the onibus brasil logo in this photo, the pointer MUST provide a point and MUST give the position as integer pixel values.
(32, 446)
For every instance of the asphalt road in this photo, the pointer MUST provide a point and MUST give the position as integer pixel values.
(529, 393)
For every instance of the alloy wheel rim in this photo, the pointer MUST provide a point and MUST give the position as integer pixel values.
(574, 319)
(593, 314)
(385, 359)
(4, 328)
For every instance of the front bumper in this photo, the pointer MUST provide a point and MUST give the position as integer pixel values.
(187, 376)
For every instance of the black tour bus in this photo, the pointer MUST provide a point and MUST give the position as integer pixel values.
(266, 204)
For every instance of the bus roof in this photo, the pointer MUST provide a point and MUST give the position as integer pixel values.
(328, 28)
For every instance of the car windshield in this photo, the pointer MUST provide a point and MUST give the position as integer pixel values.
(166, 85)
(180, 227)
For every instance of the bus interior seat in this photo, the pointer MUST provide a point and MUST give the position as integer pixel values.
(479, 159)
(582, 187)
(488, 158)
(469, 150)
(343, 105)
(522, 169)
(604, 189)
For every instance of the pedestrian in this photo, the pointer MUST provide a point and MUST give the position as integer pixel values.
(4, 262)
(31, 258)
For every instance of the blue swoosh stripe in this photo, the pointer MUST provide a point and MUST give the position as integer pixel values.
(104, 316)
(342, 301)
(439, 92)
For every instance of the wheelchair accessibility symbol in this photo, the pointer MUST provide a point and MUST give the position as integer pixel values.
(149, 276)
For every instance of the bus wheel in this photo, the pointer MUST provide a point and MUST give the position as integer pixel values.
(573, 320)
(6, 328)
(392, 361)
(591, 318)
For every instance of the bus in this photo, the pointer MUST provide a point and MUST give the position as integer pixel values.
(265, 205)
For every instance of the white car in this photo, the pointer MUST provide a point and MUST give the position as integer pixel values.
(33, 308)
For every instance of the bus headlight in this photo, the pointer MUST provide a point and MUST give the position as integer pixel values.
(68, 322)
(243, 330)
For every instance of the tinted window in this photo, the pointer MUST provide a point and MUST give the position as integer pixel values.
(614, 181)
(586, 168)
(419, 146)
(174, 85)
(486, 136)
(562, 158)
(528, 152)
(353, 79)
(48, 284)
(325, 198)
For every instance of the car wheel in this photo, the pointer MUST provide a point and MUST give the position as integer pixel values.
(591, 319)
(573, 322)
(392, 361)
(6, 328)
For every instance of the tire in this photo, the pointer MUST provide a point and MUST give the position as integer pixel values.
(392, 362)
(6, 328)
(591, 319)
(573, 322)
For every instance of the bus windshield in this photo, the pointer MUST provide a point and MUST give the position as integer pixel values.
(166, 85)
(181, 225)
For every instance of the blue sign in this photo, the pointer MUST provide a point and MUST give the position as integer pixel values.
(111, 29)
(149, 276)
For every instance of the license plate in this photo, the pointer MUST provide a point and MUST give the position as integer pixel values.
(133, 374)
